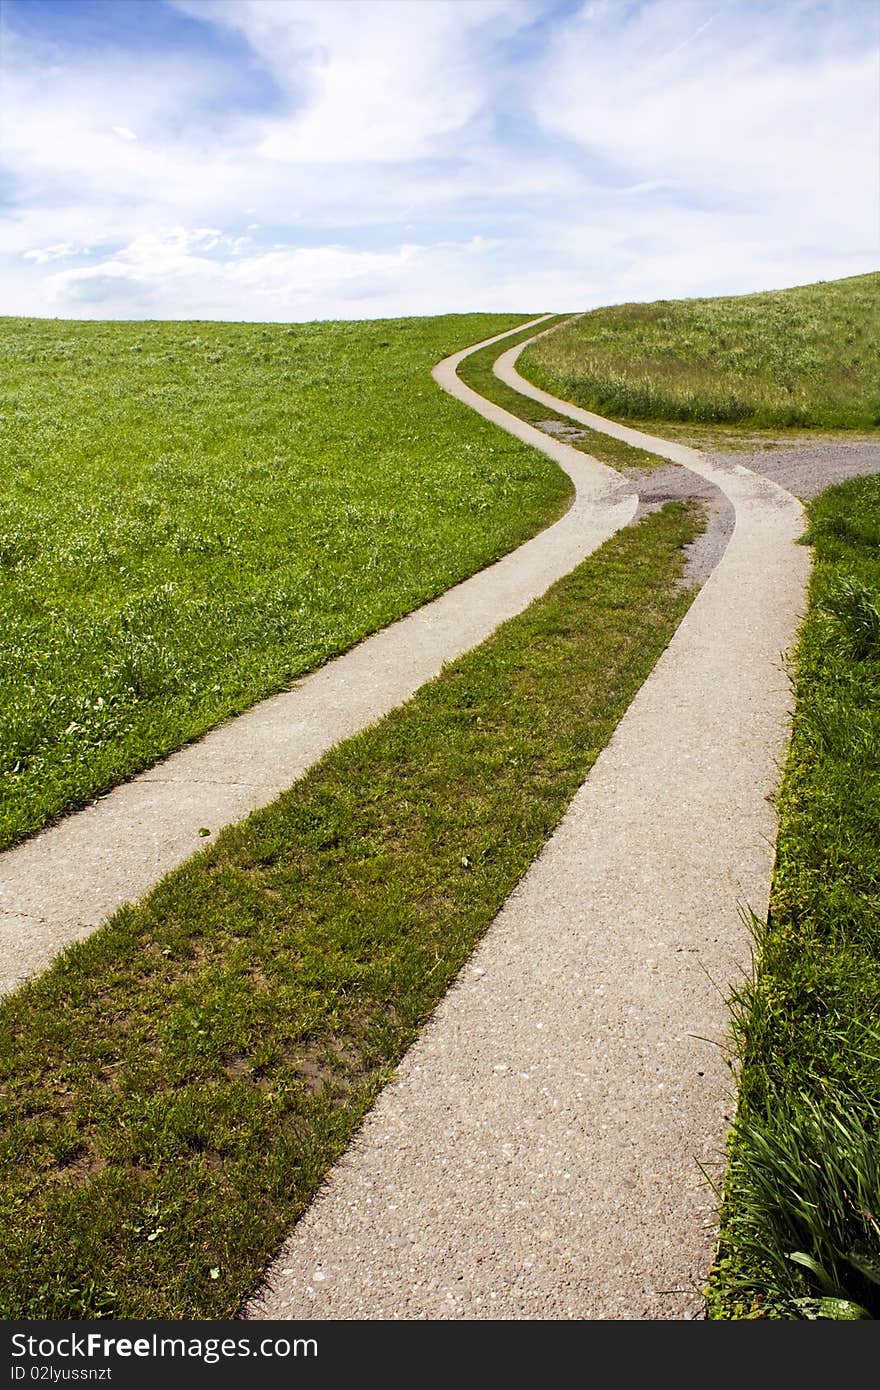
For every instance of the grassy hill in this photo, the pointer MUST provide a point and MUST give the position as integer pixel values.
(805, 357)
(194, 514)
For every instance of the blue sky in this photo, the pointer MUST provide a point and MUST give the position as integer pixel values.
(297, 159)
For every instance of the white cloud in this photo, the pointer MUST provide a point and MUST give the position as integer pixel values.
(378, 82)
(181, 272)
(743, 113)
(324, 157)
(43, 254)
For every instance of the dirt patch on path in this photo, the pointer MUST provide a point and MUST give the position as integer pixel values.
(804, 470)
(670, 482)
(657, 486)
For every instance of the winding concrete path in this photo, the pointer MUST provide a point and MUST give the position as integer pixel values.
(63, 883)
(537, 1155)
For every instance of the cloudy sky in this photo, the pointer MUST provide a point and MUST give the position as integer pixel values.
(298, 159)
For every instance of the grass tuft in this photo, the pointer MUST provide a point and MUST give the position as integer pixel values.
(807, 1172)
(858, 619)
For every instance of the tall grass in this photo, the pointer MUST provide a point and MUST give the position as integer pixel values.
(805, 357)
(801, 1213)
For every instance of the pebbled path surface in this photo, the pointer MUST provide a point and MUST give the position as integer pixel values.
(807, 469)
(59, 886)
(537, 1155)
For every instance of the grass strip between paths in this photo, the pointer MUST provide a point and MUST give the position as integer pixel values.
(476, 371)
(800, 1233)
(175, 1087)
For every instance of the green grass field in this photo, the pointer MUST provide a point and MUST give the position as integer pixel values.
(194, 514)
(801, 1218)
(802, 357)
(173, 1089)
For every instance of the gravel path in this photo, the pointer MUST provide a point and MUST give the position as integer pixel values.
(59, 886)
(807, 469)
(537, 1155)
